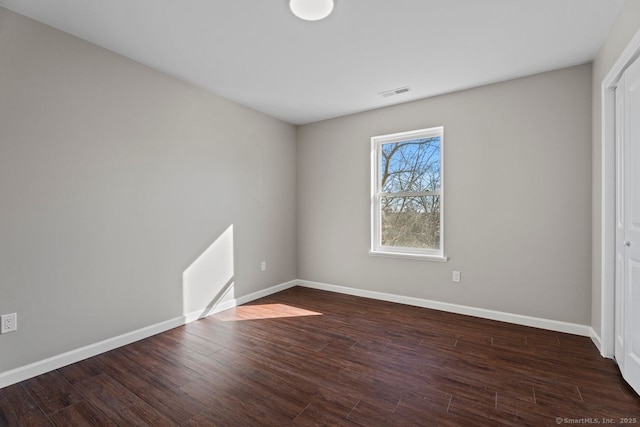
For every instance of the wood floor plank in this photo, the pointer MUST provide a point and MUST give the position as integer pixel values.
(158, 392)
(327, 408)
(80, 371)
(17, 407)
(118, 403)
(80, 415)
(52, 392)
(305, 357)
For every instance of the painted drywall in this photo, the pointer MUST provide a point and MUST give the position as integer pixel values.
(625, 27)
(517, 198)
(115, 180)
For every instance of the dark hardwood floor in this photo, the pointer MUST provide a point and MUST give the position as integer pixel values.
(307, 357)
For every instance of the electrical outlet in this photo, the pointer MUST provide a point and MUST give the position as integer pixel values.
(8, 323)
(456, 276)
(263, 266)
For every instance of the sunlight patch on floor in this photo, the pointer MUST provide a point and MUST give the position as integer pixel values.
(263, 311)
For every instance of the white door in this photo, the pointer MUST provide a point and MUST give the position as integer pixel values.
(627, 336)
(620, 227)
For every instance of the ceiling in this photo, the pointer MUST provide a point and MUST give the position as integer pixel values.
(257, 53)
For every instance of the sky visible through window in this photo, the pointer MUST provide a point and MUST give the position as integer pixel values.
(412, 166)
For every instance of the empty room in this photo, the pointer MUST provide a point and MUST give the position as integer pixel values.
(319, 212)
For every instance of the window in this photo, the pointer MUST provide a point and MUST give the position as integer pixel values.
(407, 194)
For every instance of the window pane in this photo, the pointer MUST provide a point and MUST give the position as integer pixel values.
(412, 165)
(411, 222)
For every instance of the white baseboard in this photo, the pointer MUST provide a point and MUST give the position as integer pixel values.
(31, 370)
(201, 314)
(43, 366)
(553, 325)
(226, 305)
(266, 292)
(596, 340)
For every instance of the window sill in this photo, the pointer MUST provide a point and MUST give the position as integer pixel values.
(404, 255)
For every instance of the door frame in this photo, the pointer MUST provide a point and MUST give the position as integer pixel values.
(606, 341)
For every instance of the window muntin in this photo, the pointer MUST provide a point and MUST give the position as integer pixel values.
(407, 194)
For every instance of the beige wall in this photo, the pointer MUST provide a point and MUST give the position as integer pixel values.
(114, 179)
(625, 27)
(517, 201)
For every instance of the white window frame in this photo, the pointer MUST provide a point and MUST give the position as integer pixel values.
(377, 248)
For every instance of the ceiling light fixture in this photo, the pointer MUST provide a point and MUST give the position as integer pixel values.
(311, 10)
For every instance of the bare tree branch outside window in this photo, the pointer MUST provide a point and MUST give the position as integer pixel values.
(410, 193)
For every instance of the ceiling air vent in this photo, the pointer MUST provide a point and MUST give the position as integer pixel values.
(394, 92)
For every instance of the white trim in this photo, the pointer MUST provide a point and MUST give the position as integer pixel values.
(266, 292)
(596, 339)
(43, 366)
(201, 314)
(226, 305)
(406, 255)
(31, 370)
(607, 254)
(518, 319)
(408, 135)
(376, 194)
